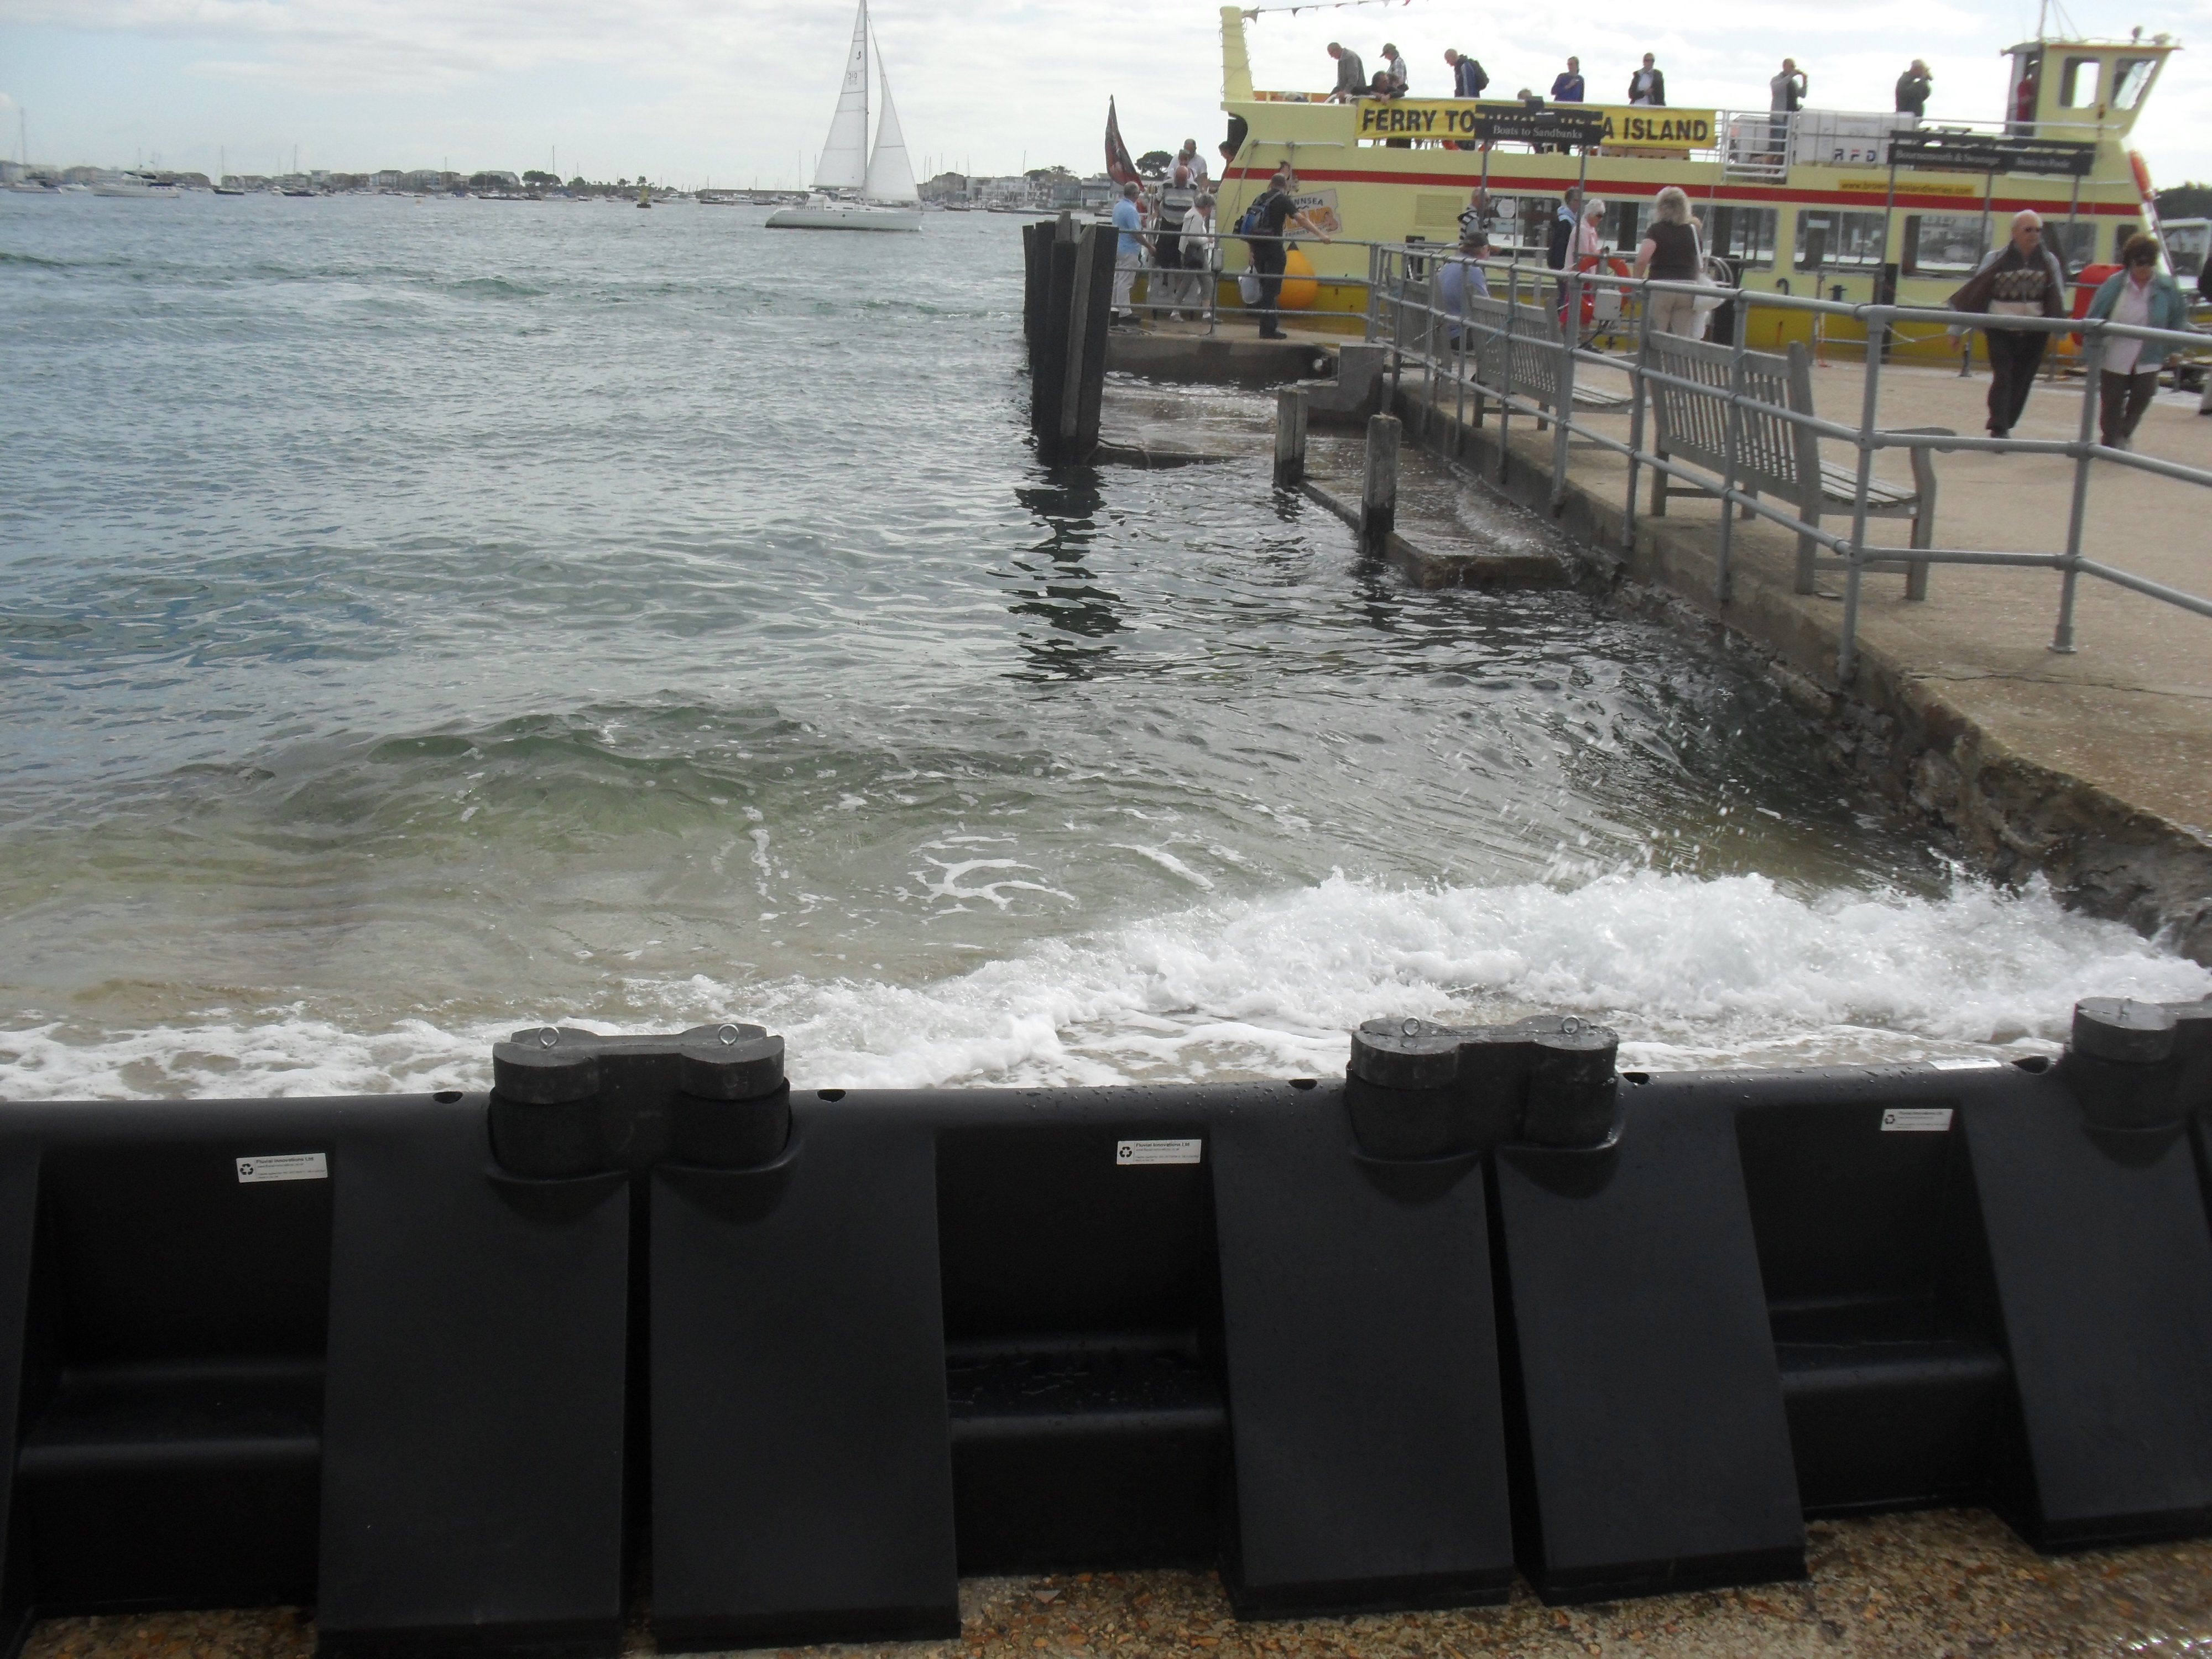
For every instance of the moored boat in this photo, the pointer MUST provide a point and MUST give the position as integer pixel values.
(1854, 205)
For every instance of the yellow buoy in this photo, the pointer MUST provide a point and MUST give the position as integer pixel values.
(1299, 288)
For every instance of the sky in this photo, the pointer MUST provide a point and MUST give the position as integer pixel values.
(740, 91)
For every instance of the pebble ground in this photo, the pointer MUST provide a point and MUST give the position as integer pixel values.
(1943, 1584)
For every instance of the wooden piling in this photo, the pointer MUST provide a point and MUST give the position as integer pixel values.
(1091, 310)
(1378, 491)
(1036, 282)
(1047, 380)
(1289, 437)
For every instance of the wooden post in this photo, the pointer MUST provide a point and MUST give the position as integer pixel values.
(1289, 437)
(1048, 381)
(1089, 312)
(1378, 493)
(1036, 282)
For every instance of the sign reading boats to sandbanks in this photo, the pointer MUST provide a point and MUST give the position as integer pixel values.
(1624, 125)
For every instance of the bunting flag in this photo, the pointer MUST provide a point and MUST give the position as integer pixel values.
(1118, 167)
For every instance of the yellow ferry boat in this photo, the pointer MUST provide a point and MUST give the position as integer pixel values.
(1847, 204)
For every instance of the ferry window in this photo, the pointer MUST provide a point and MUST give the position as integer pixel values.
(2120, 238)
(2074, 244)
(1743, 235)
(2077, 86)
(1948, 241)
(2131, 80)
(1827, 240)
(1625, 222)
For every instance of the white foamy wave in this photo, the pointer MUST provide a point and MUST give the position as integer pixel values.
(1692, 972)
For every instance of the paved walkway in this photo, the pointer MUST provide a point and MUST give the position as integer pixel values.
(2130, 712)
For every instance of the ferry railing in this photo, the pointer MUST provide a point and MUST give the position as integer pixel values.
(1411, 326)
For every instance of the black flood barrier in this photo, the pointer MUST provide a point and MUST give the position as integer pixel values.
(643, 1326)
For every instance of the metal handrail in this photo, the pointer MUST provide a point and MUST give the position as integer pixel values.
(1567, 288)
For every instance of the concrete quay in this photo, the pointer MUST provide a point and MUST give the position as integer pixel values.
(2094, 769)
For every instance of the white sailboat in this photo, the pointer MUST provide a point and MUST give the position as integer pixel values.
(851, 193)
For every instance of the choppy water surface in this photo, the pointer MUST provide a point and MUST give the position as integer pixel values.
(420, 618)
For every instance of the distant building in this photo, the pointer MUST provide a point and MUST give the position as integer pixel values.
(389, 178)
(494, 180)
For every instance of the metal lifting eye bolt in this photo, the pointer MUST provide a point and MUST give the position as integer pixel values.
(548, 1036)
(729, 1036)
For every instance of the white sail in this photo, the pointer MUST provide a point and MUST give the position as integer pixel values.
(844, 155)
(890, 173)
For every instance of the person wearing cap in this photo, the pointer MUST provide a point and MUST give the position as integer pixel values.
(1394, 67)
(1462, 276)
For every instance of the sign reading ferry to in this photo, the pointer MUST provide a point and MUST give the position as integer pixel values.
(1625, 125)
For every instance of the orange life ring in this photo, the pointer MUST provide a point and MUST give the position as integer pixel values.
(1608, 264)
(2141, 168)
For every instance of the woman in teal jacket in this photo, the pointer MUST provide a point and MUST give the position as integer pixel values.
(2140, 294)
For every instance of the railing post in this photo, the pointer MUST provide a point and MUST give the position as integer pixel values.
(1506, 391)
(1378, 491)
(2093, 375)
(1723, 577)
(1570, 332)
(1289, 437)
(1638, 391)
(1855, 574)
(1374, 291)
(1397, 325)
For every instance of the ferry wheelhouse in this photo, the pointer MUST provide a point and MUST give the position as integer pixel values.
(1851, 205)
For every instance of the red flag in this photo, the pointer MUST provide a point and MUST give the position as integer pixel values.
(1118, 167)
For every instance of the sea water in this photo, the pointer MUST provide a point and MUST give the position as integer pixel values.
(422, 618)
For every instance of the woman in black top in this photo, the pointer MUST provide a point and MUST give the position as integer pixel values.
(1669, 253)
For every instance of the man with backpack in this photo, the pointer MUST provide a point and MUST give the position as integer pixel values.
(1467, 77)
(1264, 226)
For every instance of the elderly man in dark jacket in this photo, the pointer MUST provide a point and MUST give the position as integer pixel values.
(2023, 278)
(1648, 85)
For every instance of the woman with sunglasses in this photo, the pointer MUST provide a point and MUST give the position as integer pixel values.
(2140, 294)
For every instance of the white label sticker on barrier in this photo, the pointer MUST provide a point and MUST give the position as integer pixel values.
(1966, 1065)
(1936, 1118)
(285, 1166)
(1157, 1152)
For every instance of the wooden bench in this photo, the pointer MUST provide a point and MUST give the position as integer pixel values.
(1774, 456)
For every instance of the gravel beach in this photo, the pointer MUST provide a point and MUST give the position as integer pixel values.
(1951, 1582)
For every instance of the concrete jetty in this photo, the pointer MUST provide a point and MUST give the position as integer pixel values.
(2094, 769)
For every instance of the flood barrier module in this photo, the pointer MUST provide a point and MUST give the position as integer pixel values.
(643, 1325)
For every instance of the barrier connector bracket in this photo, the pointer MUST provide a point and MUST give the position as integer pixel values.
(1420, 1090)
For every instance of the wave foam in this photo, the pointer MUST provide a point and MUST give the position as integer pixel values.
(1692, 972)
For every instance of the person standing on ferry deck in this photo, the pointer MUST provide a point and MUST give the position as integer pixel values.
(1394, 67)
(1190, 158)
(1467, 77)
(2140, 293)
(1669, 253)
(1567, 85)
(1788, 88)
(1647, 85)
(1351, 73)
(2023, 278)
(1912, 89)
